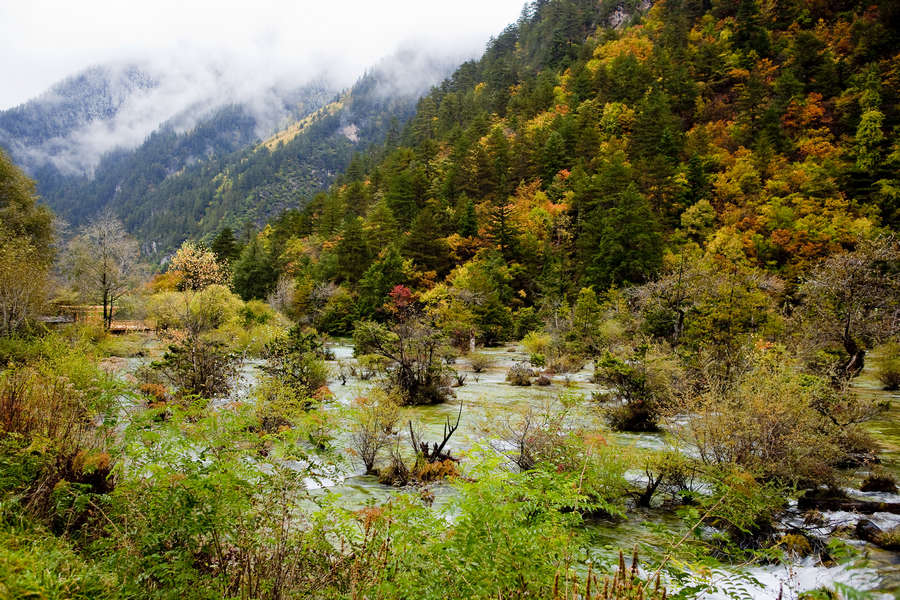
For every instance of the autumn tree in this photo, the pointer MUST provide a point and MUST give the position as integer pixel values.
(104, 262)
(852, 300)
(197, 267)
(26, 238)
(23, 281)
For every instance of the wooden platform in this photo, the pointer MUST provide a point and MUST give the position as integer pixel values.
(92, 314)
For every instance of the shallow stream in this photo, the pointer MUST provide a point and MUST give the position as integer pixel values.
(487, 398)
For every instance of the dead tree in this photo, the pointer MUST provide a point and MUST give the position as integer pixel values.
(436, 452)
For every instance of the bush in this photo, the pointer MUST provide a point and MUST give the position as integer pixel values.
(562, 362)
(165, 310)
(890, 539)
(481, 361)
(640, 385)
(373, 424)
(879, 482)
(257, 312)
(411, 349)
(295, 360)
(246, 502)
(888, 367)
(508, 535)
(369, 365)
(795, 545)
(519, 374)
(251, 340)
(536, 342)
(37, 564)
(56, 415)
(777, 423)
(210, 308)
(199, 367)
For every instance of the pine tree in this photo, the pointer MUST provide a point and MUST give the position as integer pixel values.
(352, 252)
(627, 245)
(401, 196)
(386, 272)
(553, 156)
(466, 219)
(380, 227)
(501, 228)
(425, 245)
(225, 246)
(254, 271)
(750, 34)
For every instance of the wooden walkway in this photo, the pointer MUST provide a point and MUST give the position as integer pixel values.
(67, 314)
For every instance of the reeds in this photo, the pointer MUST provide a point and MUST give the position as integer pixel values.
(625, 584)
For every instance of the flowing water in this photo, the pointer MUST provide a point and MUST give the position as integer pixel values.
(487, 399)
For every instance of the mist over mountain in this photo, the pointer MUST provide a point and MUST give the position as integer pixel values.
(117, 106)
(229, 152)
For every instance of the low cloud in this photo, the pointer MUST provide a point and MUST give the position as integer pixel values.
(204, 55)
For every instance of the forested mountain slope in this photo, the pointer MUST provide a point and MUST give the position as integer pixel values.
(575, 153)
(39, 132)
(182, 183)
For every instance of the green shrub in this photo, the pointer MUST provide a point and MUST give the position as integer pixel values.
(639, 385)
(888, 366)
(480, 362)
(373, 423)
(411, 347)
(36, 564)
(510, 534)
(537, 360)
(198, 366)
(778, 423)
(519, 374)
(295, 360)
(536, 342)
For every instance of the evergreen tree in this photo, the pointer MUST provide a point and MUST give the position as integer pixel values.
(501, 228)
(466, 219)
(380, 227)
(225, 246)
(385, 273)
(425, 245)
(20, 215)
(751, 34)
(401, 196)
(554, 157)
(254, 271)
(352, 251)
(627, 245)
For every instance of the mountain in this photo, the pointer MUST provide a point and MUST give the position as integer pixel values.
(41, 131)
(211, 163)
(107, 108)
(597, 142)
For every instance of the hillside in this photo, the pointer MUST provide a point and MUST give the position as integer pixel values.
(36, 132)
(592, 147)
(189, 182)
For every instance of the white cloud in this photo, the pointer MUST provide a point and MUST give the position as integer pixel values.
(269, 41)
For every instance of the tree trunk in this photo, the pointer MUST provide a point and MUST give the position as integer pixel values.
(857, 358)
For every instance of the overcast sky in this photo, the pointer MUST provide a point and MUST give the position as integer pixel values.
(43, 41)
